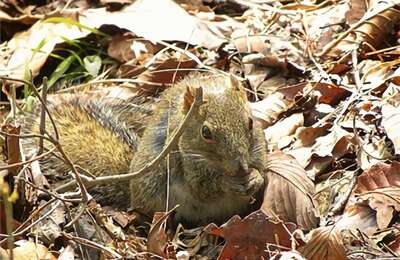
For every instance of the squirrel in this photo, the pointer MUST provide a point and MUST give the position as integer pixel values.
(213, 173)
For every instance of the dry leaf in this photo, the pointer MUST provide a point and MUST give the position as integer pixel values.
(268, 110)
(391, 122)
(253, 237)
(286, 127)
(153, 21)
(289, 192)
(29, 250)
(324, 243)
(43, 35)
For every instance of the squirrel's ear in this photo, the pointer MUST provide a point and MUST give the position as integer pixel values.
(188, 100)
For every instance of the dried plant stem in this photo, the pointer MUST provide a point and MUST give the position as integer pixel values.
(366, 18)
(42, 126)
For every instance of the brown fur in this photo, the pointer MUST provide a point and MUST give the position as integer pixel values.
(207, 179)
(210, 180)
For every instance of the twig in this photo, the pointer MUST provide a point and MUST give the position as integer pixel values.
(55, 140)
(28, 161)
(42, 125)
(352, 28)
(198, 101)
(92, 244)
(20, 230)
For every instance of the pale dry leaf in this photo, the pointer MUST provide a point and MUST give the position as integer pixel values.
(359, 214)
(378, 23)
(373, 153)
(358, 217)
(324, 243)
(283, 128)
(67, 253)
(29, 250)
(289, 192)
(391, 122)
(43, 36)
(268, 110)
(385, 201)
(154, 21)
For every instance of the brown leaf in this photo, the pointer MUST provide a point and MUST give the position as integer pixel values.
(284, 128)
(157, 240)
(166, 72)
(126, 47)
(379, 187)
(253, 237)
(385, 201)
(269, 109)
(357, 11)
(372, 29)
(289, 192)
(325, 243)
(381, 175)
(358, 217)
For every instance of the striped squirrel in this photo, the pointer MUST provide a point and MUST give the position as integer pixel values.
(213, 172)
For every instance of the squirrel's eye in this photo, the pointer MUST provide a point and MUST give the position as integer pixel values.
(206, 133)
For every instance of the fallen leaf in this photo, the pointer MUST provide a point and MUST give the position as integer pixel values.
(283, 128)
(269, 109)
(30, 250)
(140, 18)
(324, 243)
(254, 237)
(289, 192)
(391, 121)
(31, 48)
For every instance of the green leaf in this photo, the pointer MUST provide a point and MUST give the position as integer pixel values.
(60, 70)
(73, 22)
(92, 64)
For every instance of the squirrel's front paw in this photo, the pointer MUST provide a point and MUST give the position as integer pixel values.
(244, 185)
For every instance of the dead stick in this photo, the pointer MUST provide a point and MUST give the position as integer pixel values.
(42, 126)
(352, 28)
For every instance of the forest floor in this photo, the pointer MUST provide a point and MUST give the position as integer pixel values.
(322, 80)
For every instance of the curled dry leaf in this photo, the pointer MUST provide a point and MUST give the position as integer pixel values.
(289, 192)
(283, 129)
(30, 250)
(167, 72)
(371, 29)
(157, 240)
(153, 21)
(379, 189)
(254, 237)
(391, 122)
(269, 109)
(324, 243)
(385, 201)
(41, 35)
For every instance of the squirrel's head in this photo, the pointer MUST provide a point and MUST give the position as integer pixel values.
(222, 130)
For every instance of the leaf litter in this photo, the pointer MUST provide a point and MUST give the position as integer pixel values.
(322, 78)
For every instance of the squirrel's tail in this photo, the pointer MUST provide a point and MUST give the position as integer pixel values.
(98, 135)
